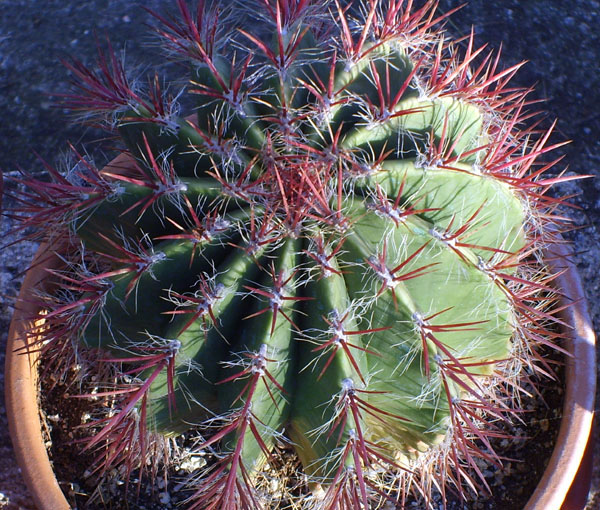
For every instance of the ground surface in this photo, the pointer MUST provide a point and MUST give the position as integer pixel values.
(559, 39)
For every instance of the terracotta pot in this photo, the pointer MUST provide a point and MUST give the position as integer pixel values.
(21, 381)
(550, 494)
(22, 396)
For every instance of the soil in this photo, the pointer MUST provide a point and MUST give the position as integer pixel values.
(524, 457)
(559, 40)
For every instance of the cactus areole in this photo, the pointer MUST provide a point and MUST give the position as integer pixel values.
(333, 252)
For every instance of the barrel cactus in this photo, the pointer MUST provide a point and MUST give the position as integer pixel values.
(335, 251)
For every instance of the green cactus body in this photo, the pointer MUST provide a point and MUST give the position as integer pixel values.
(322, 256)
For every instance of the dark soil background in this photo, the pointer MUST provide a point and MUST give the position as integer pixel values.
(559, 39)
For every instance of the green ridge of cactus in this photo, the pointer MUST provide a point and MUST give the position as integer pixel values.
(335, 250)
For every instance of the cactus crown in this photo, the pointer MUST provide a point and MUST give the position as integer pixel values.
(337, 250)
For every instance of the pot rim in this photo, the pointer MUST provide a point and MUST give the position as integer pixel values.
(580, 384)
(21, 394)
(578, 408)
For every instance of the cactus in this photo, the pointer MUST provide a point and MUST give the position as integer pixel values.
(336, 250)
